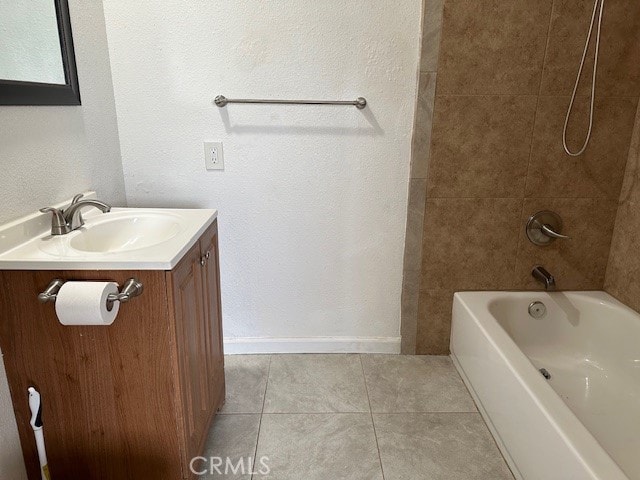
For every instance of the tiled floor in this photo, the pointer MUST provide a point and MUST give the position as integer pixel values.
(355, 417)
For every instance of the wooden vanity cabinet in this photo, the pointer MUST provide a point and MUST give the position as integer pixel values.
(133, 400)
(196, 307)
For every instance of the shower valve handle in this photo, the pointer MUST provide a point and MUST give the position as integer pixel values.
(550, 232)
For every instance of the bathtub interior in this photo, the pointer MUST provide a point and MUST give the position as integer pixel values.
(590, 346)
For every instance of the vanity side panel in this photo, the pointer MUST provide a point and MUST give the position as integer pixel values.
(109, 408)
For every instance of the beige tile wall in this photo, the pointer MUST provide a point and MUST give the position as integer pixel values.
(622, 279)
(489, 153)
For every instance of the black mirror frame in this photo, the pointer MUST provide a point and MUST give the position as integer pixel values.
(34, 93)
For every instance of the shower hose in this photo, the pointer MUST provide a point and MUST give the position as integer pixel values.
(598, 5)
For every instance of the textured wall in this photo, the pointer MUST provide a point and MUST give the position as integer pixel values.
(505, 73)
(623, 271)
(50, 153)
(313, 199)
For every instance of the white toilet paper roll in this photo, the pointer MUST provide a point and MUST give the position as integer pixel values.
(85, 303)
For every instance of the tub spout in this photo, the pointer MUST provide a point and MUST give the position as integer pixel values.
(544, 277)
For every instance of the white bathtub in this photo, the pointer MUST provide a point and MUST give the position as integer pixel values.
(582, 423)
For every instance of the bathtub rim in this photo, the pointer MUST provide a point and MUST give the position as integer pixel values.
(578, 439)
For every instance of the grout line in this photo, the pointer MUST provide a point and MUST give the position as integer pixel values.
(443, 95)
(266, 385)
(535, 113)
(519, 237)
(264, 399)
(373, 423)
(519, 242)
(526, 197)
(237, 413)
(318, 413)
(433, 412)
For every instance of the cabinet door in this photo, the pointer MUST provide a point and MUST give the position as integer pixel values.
(213, 314)
(192, 347)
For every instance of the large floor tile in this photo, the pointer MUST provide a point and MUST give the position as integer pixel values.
(319, 447)
(402, 383)
(246, 381)
(233, 437)
(316, 384)
(444, 446)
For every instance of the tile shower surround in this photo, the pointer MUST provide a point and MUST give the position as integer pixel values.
(487, 152)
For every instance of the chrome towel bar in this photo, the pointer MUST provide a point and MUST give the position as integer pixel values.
(359, 102)
(132, 288)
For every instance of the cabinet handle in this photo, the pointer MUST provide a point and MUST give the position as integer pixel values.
(204, 258)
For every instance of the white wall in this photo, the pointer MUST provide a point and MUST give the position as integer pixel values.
(49, 153)
(313, 199)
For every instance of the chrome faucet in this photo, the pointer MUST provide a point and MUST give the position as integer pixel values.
(544, 277)
(70, 219)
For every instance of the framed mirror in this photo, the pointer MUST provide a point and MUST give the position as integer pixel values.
(37, 60)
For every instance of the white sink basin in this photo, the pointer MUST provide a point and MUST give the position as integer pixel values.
(123, 239)
(125, 232)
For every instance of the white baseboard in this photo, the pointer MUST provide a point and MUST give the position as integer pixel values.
(248, 345)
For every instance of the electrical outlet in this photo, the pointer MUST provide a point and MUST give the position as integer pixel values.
(213, 157)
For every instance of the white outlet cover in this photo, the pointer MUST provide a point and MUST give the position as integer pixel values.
(213, 156)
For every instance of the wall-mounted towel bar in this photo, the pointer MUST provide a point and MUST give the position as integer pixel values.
(132, 288)
(359, 102)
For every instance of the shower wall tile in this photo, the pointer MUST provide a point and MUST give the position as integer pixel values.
(480, 146)
(570, 18)
(494, 156)
(618, 67)
(493, 47)
(431, 33)
(409, 311)
(421, 147)
(422, 130)
(434, 322)
(478, 64)
(497, 17)
(630, 191)
(469, 243)
(599, 171)
(623, 270)
(578, 263)
(561, 67)
(415, 218)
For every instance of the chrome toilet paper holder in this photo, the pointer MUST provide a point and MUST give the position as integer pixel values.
(131, 288)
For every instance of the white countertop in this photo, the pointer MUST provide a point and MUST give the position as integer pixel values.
(27, 244)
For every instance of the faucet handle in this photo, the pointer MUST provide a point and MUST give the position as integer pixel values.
(58, 223)
(550, 232)
(544, 227)
(76, 198)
